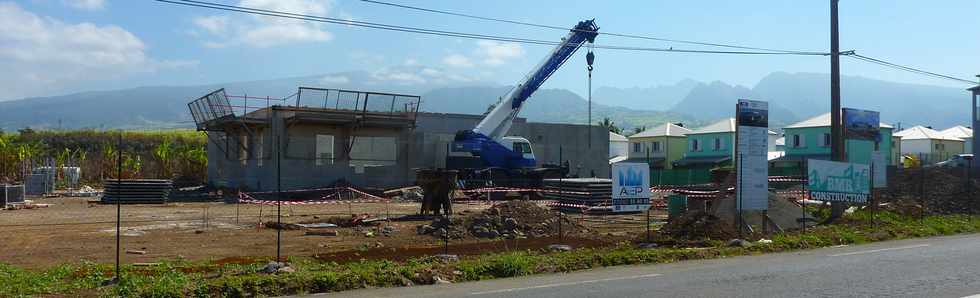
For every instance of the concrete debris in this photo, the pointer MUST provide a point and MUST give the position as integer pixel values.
(286, 269)
(764, 241)
(447, 257)
(440, 280)
(387, 231)
(647, 245)
(510, 220)
(559, 247)
(739, 243)
(272, 267)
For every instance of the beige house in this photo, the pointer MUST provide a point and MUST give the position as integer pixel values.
(661, 145)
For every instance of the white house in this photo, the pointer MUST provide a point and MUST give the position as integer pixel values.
(963, 133)
(773, 138)
(618, 145)
(929, 145)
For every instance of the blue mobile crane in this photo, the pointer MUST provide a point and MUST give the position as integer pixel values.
(487, 147)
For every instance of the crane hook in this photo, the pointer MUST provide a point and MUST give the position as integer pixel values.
(589, 58)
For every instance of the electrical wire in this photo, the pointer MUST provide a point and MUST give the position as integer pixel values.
(908, 68)
(573, 29)
(303, 17)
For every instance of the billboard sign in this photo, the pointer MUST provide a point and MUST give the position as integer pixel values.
(834, 181)
(861, 124)
(752, 165)
(630, 187)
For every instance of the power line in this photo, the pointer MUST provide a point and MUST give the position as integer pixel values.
(566, 29)
(908, 68)
(303, 17)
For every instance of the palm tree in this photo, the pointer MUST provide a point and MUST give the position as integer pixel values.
(639, 129)
(610, 125)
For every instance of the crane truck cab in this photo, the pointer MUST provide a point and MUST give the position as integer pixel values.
(519, 145)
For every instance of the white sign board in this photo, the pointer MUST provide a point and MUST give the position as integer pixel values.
(630, 187)
(838, 181)
(752, 162)
(879, 169)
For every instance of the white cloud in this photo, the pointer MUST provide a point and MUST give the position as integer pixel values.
(497, 53)
(416, 75)
(212, 24)
(490, 53)
(457, 60)
(266, 31)
(43, 54)
(430, 72)
(326, 80)
(398, 76)
(86, 4)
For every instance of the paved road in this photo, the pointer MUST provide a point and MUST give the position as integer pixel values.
(935, 267)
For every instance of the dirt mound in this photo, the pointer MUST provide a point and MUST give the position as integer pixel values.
(938, 190)
(509, 220)
(698, 225)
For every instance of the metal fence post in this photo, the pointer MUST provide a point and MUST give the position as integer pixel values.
(648, 225)
(922, 191)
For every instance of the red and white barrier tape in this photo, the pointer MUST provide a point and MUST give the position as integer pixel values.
(248, 199)
(513, 189)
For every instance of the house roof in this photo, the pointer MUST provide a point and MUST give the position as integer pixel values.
(725, 125)
(773, 132)
(821, 121)
(919, 132)
(667, 129)
(615, 137)
(958, 131)
(781, 141)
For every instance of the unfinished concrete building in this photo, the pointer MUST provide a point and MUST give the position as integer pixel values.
(370, 139)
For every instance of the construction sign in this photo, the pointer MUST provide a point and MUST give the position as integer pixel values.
(833, 181)
(630, 187)
(752, 145)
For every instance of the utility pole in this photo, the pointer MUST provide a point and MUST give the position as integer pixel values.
(836, 131)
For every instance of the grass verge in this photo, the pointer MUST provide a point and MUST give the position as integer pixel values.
(209, 279)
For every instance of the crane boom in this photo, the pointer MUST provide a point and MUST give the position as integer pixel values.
(486, 143)
(496, 124)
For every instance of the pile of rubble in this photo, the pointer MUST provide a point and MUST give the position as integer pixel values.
(508, 220)
(698, 225)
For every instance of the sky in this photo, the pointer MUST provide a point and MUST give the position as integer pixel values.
(53, 47)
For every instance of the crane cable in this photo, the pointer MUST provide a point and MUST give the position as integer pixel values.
(589, 58)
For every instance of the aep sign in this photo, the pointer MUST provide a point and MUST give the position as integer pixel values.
(630, 187)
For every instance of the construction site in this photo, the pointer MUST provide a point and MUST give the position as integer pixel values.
(393, 193)
(343, 175)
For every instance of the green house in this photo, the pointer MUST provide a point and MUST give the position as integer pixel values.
(709, 146)
(660, 146)
(811, 139)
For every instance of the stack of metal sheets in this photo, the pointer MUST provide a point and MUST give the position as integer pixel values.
(137, 191)
(573, 194)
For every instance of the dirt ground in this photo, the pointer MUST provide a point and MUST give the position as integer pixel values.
(74, 229)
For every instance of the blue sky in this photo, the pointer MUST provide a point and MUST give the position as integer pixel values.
(62, 46)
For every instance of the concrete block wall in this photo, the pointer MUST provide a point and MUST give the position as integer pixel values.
(425, 146)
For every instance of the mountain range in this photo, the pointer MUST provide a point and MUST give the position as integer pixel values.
(792, 97)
